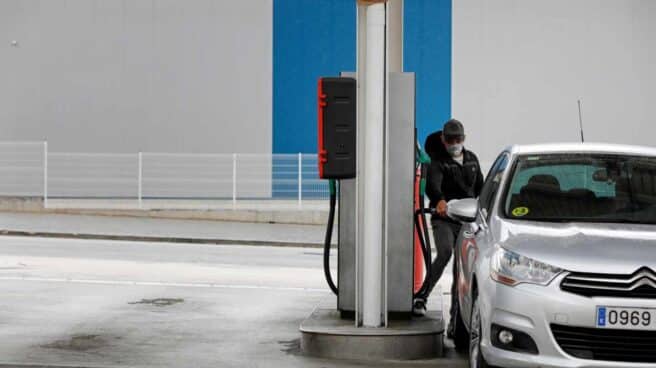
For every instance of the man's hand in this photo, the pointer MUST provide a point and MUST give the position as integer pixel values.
(441, 208)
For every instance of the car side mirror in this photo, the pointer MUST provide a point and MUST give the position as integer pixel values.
(463, 210)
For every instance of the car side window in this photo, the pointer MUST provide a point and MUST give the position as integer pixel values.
(492, 183)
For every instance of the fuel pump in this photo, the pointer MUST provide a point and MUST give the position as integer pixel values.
(337, 160)
(368, 151)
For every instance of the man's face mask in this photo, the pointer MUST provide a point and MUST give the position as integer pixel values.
(454, 149)
(454, 145)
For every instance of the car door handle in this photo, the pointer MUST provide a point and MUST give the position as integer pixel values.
(476, 229)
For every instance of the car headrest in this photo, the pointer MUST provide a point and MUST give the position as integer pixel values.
(643, 183)
(544, 181)
(582, 193)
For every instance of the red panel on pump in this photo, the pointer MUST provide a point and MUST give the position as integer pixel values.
(322, 152)
(337, 129)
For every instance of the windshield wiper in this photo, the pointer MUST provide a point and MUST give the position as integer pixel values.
(588, 220)
(627, 221)
(542, 219)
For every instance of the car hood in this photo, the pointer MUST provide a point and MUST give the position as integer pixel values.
(582, 247)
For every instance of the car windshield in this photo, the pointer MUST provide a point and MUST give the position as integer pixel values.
(583, 187)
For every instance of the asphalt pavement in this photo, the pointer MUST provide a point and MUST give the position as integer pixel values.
(103, 303)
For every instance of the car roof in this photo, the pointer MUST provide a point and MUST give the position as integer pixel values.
(608, 148)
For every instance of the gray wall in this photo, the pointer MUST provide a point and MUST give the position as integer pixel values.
(519, 67)
(137, 75)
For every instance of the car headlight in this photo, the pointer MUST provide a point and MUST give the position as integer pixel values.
(510, 268)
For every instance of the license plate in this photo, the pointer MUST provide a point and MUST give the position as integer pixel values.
(626, 318)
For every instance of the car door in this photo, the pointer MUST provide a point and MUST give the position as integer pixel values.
(476, 235)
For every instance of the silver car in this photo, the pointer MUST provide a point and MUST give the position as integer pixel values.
(556, 260)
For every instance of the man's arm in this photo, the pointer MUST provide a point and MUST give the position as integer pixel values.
(435, 177)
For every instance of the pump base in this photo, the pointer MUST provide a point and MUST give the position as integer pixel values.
(325, 335)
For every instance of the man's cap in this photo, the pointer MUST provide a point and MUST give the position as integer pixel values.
(453, 128)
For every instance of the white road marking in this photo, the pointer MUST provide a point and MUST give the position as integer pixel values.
(158, 283)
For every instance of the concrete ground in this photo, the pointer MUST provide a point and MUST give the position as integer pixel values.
(99, 303)
(143, 228)
(310, 212)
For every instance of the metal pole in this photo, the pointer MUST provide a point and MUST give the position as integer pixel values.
(140, 180)
(45, 174)
(300, 180)
(372, 273)
(234, 181)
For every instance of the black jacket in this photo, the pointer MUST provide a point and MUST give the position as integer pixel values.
(447, 179)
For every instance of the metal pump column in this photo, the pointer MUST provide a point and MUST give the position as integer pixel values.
(373, 165)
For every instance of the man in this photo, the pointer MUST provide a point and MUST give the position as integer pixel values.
(455, 173)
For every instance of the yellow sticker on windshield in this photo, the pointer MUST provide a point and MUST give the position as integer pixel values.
(520, 211)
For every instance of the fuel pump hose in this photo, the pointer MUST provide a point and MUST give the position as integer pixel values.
(423, 161)
(420, 224)
(329, 234)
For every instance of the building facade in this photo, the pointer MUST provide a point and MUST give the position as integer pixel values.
(214, 76)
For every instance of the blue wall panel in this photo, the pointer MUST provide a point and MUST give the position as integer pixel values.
(427, 52)
(311, 38)
(314, 38)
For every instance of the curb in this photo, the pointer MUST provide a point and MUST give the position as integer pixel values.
(137, 238)
(9, 365)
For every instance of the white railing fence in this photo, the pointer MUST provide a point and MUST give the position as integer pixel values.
(160, 180)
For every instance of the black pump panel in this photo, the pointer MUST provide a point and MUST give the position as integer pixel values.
(337, 128)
